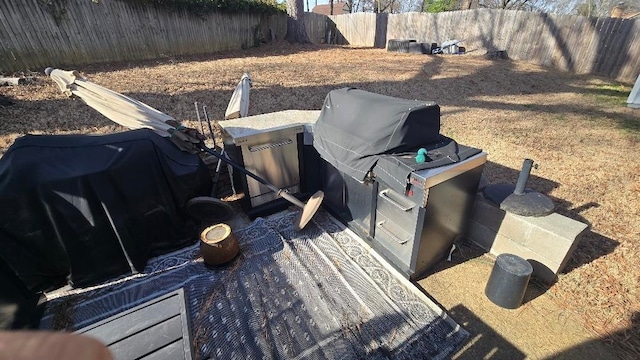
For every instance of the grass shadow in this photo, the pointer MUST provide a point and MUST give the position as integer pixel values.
(485, 341)
(624, 342)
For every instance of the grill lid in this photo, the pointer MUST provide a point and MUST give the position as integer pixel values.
(356, 128)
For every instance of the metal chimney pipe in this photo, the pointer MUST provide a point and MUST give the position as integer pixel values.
(524, 176)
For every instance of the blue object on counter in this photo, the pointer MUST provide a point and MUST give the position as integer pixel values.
(422, 155)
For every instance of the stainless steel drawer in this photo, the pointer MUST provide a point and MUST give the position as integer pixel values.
(397, 241)
(396, 223)
(397, 208)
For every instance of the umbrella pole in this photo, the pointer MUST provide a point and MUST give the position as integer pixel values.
(198, 116)
(206, 117)
(215, 179)
(308, 209)
(217, 176)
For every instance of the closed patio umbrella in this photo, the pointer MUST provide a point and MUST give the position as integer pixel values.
(239, 103)
(124, 110)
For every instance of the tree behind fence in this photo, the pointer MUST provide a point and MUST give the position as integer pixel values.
(33, 36)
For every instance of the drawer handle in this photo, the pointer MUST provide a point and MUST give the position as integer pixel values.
(385, 194)
(391, 234)
(270, 145)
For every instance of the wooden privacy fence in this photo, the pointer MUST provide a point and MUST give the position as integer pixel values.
(316, 25)
(601, 46)
(35, 34)
(357, 29)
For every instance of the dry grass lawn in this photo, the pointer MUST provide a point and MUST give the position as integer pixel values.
(577, 128)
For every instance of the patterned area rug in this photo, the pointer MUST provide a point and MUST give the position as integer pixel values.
(315, 294)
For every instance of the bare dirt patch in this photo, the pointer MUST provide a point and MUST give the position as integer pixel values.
(577, 128)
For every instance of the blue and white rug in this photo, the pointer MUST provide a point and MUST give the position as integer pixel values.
(316, 294)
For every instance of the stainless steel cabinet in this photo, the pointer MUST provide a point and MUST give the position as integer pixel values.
(413, 230)
(274, 156)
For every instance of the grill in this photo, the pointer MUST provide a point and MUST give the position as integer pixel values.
(411, 212)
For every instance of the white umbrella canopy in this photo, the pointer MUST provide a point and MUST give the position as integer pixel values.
(124, 110)
(239, 103)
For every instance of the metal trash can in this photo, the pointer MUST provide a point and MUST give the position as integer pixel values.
(508, 281)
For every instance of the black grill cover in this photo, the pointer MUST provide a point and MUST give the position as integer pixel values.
(60, 194)
(394, 170)
(355, 127)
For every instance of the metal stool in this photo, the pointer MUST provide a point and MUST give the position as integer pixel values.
(508, 281)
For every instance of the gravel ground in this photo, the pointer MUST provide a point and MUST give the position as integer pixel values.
(577, 128)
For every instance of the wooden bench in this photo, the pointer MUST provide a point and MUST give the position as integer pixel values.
(157, 329)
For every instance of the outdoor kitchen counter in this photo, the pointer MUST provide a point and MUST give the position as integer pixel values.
(275, 146)
(242, 128)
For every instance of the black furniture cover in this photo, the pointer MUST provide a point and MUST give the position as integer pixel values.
(87, 208)
(356, 127)
(18, 306)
